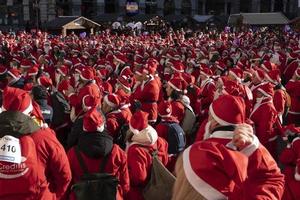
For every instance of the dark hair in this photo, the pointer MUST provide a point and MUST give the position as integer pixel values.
(175, 95)
(39, 92)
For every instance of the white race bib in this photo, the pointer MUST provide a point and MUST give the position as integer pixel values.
(10, 149)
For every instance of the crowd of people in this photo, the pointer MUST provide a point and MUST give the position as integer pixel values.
(220, 111)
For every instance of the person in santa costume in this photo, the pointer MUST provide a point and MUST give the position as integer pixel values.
(227, 125)
(265, 118)
(20, 117)
(94, 146)
(290, 159)
(208, 88)
(146, 95)
(210, 171)
(176, 88)
(113, 114)
(142, 142)
(293, 89)
(162, 128)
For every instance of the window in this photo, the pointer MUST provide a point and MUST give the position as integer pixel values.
(186, 7)
(265, 5)
(169, 7)
(110, 6)
(150, 6)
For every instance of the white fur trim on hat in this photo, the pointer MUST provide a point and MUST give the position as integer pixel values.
(32, 74)
(202, 187)
(257, 76)
(265, 68)
(12, 75)
(59, 70)
(296, 72)
(119, 60)
(111, 104)
(133, 130)
(83, 78)
(174, 87)
(85, 107)
(219, 120)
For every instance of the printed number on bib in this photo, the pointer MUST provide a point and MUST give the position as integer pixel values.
(10, 149)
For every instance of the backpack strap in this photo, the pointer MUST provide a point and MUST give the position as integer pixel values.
(80, 160)
(103, 163)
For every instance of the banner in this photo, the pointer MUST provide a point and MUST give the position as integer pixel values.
(132, 8)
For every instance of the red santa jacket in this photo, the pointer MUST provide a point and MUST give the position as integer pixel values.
(264, 117)
(265, 180)
(207, 96)
(280, 100)
(139, 165)
(290, 158)
(147, 94)
(114, 121)
(290, 69)
(178, 110)
(53, 159)
(116, 165)
(293, 89)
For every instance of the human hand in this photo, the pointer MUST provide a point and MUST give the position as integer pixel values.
(243, 136)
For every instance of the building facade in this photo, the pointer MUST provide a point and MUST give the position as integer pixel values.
(36, 12)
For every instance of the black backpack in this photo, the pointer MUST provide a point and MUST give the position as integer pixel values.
(121, 138)
(60, 107)
(176, 138)
(95, 186)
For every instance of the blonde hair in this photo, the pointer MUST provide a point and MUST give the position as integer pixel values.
(182, 189)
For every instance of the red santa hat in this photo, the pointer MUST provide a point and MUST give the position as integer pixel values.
(14, 73)
(220, 65)
(266, 89)
(63, 70)
(126, 71)
(228, 110)
(106, 88)
(33, 71)
(120, 58)
(25, 63)
(126, 82)
(229, 169)
(177, 66)
(206, 72)
(87, 74)
(45, 81)
(15, 99)
(88, 102)
(3, 70)
(112, 100)
(273, 76)
(178, 84)
(138, 122)
(93, 121)
(236, 73)
(165, 109)
(267, 66)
